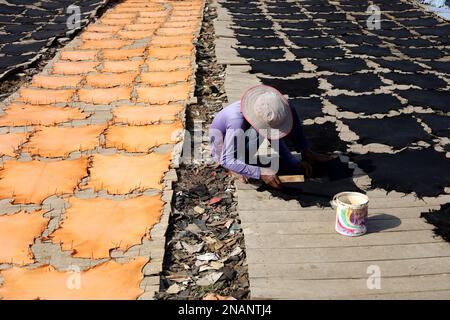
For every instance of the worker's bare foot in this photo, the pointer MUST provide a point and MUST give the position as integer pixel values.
(312, 157)
(239, 177)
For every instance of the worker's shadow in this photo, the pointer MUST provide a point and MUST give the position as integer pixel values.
(329, 179)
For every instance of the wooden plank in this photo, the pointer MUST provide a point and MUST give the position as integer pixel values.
(378, 199)
(291, 179)
(234, 87)
(240, 72)
(223, 15)
(424, 295)
(327, 214)
(362, 253)
(335, 289)
(251, 190)
(380, 193)
(350, 270)
(226, 54)
(308, 227)
(337, 240)
(372, 194)
(222, 31)
(255, 202)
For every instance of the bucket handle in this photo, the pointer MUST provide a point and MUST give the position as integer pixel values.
(333, 202)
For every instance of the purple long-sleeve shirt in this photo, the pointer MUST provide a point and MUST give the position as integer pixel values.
(227, 128)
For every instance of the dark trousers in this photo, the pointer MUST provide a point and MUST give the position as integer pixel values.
(296, 139)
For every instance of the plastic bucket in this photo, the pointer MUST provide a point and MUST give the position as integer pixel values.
(351, 213)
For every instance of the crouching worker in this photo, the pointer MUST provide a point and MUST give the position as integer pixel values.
(239, 129)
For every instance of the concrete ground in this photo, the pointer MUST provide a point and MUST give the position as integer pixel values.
(88, 150)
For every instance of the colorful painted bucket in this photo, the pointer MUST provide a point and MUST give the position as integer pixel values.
(351, 213)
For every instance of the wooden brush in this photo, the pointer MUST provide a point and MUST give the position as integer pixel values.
(292, 179)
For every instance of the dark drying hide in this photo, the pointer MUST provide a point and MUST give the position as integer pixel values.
(425, 81)
(425, 172)
(246, 16)
(397, 132)
(368, 104)
(340, 31)
(255, 32)
(258, 54)
(441, 66)
(301, 24)
(371, 51)
(319, 6)
(253, 23)
(265, 42)
(304, 33)
(440, 219)
(439, 124)
(359, 39)
(276, 68)
(323, 53)
(411, 42)
(242, 10)
(398, 33)
(281, 9)
(358, 82)
(313, 42)
(443, 30)
(291, 16)
(402, 65)
(427, 53)
(324, 138)
(331, 16)
(409, 14)
(307, 108)
(346, 65)
(436, 100)
(302, 87)
(347, 25)
(396, 6)
(442, 41)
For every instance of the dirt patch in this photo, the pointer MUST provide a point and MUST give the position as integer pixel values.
(205, 250)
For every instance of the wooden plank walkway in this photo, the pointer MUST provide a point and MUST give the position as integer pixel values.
(295, 253)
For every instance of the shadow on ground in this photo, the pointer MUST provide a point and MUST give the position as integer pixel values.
(328, 179)
(381, 222)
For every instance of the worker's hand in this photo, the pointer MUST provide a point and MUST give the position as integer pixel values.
(239, 177)
(305, 168)
(270, 178)
(272, 181)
